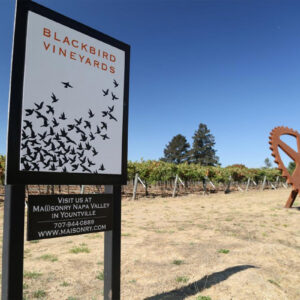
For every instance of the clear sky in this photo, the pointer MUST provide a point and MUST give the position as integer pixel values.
(231, 64)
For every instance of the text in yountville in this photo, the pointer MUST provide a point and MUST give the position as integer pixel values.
(52, 216)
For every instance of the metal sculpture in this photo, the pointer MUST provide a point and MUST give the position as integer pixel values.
(276, 143)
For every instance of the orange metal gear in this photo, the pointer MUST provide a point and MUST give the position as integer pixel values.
(275, 142)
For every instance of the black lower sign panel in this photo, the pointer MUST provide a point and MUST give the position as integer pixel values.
(52, 216)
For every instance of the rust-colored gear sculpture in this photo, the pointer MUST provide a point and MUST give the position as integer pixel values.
(276, 143)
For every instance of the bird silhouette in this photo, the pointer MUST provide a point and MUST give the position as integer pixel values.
(48, 143)
(87, 124)
(102, 168)
(28, 152)
(55, 123)
(65, 159)
(32, 135)
(46, 153)
(75, 167)
(83, 138)
(72, 152)
(78, 122)
(64, 170)
(42, 159)
(59, 153)
(35, 167)
(84, 168)
(24, 135)
(63, 132)
(104, 136)
(67, 150)
(78, 130)
(113, 96)
(51, 132)
(94, 152)
(111, 109)
(115, 83)
(91, 114)
(53, 168)
(29, 112)
(63, 116)
(24, 145)
(34, 142)
(54, 99)
(72, 160)
(66, 84)
(80, 147)
(98, 130)
(111, 117)
(57, 137)
(45, 124)
(37, 149)
(90, 163)
(70, 127)
(47, 163)
(53, 148)
(50, 109)
(26, 166)
(33, 156)
(92, 137)
(42, 136)
(61, 145)
(70, 141)
(87, 146)
(28, 124)
(105, 93)
(60, 163)
(104, 125)
(104, 113)
(83, 160)
(81, 154)
(39, 106)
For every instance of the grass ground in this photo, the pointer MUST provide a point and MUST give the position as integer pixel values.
(234, 246)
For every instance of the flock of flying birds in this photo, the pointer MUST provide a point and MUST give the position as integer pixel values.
(58, 143)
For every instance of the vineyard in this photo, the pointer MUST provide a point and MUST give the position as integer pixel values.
(152, 171)
(159, 178)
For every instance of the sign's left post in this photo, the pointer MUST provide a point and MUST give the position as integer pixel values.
(13, 242)
(14, 202)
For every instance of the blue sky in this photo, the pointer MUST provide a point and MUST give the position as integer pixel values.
(233, 65)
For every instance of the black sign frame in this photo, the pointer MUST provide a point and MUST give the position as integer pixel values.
(13, 174)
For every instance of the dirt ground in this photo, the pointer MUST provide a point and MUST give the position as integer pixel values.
(234, 246)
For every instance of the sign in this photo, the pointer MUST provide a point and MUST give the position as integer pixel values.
(68, 103)
(52, 216)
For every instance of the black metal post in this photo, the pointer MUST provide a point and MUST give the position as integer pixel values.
(112, 250)
(13, 243)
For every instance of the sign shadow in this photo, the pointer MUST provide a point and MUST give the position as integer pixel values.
(199, 285)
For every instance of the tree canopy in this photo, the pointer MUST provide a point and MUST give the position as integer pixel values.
(203, 151)
(177, 150)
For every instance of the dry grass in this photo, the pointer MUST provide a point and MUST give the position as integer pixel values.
(235, 246)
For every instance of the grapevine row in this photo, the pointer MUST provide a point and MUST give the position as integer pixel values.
(152, 171)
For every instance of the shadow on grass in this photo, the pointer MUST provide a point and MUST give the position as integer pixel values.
(296, 207)
(199, 285)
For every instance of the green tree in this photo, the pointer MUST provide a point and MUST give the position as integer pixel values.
(177, 150)
(203, 151)
(291, 167)
(268, 163)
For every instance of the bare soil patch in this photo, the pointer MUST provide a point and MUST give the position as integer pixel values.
(234, 246)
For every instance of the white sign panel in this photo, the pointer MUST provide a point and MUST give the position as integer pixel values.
(72, 109)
